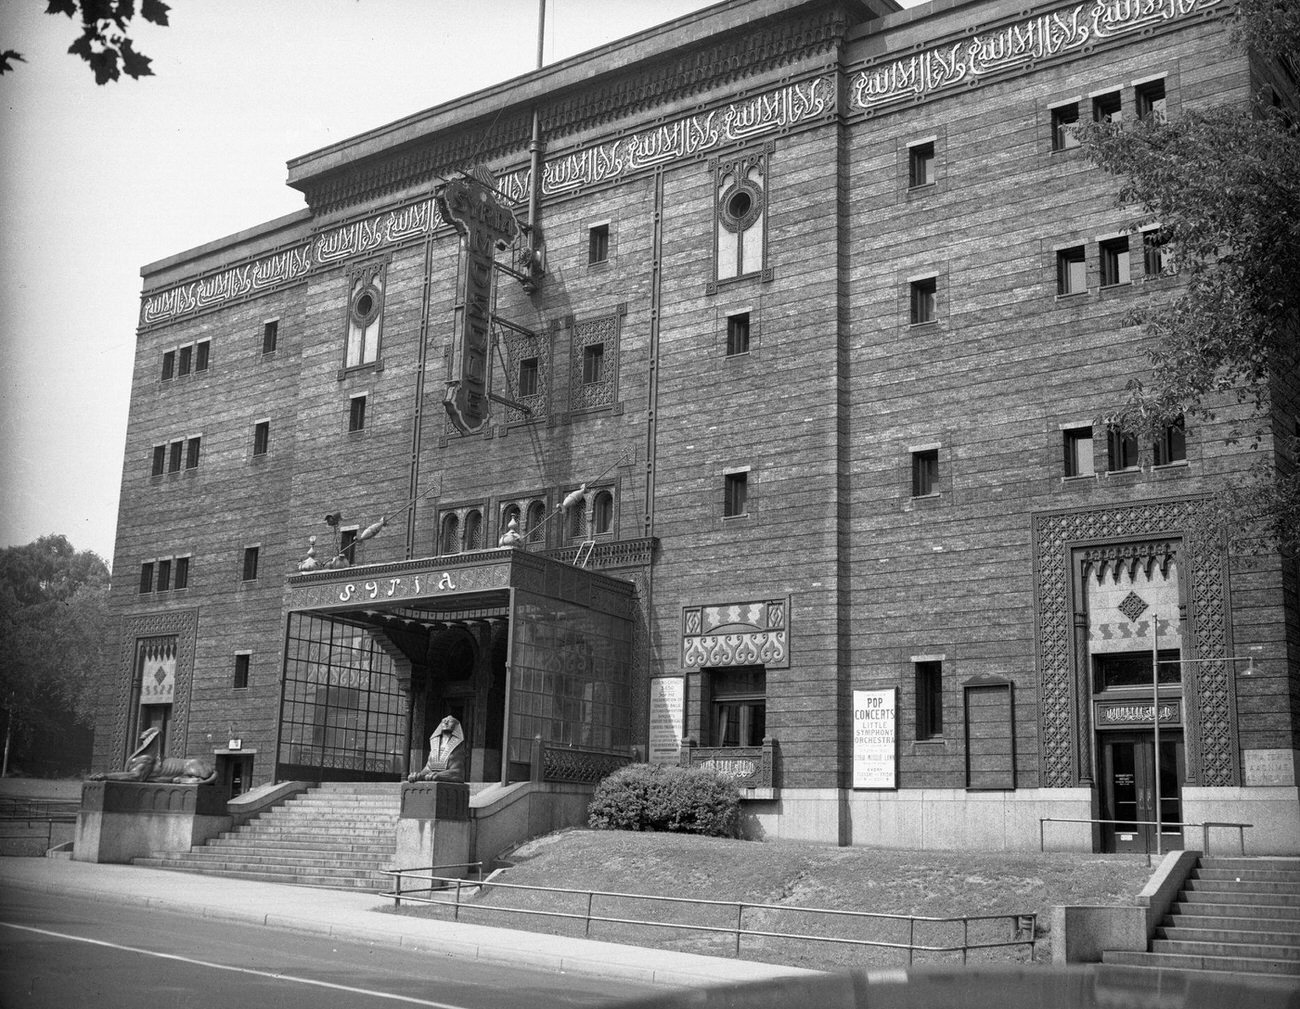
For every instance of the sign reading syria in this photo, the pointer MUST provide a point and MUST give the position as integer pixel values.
(486, 224)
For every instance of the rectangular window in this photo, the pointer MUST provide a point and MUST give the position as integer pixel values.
(738, 715)
(192, 453)
(164, 575)
(738, 334)
(270, 335)
(598, 244)
(1115, 262)
(184, 361)
(735, 494)
(182, 578)
(175, 456)
(924, 298)
(1150, 97)
(159, 460)
(1171, 446)
(348, 545)
(929, 700)
(357, 413)
(250, 563)
(1121, 450)
(1155, 254)
(925, 472)
(146, 576)
(528, 376)
(240, 680)
(1071, 271)
(920, 165)
(169, 365)
(262, 437)
(593, 363)
(1106, 108)
(202, 352)
(1078, 451)
(1064, 119)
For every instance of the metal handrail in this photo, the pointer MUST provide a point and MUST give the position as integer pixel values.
(1146, 844)
(1022, 923)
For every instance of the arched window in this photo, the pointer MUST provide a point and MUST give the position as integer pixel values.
(536, 519)
(578, 520)
(450, 541)
(473, 530)
(602, 512)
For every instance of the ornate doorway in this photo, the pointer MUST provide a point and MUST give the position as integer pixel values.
(1129, 775)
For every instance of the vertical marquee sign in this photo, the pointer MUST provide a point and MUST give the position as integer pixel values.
(485, 224)
(875, 738)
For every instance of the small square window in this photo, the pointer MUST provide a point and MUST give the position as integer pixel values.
(250, 563)
(735, 494)
(925, 472)
(1071, 271)
(270, 336)
(528, 376)
(1121, 450)
(262, 438)
(598, 244)
(184, 361)
(920, 165)
(192, 453)
(357, 413)
(1155, 253)
(1171, 446)
(202, 353)
(929, 700)
(175, 456)
(146, 577)
(168, 365)
(182, 579)
(738, 334)
(159, 460)
(1064, 119)
(1106, 108)
(1115, 262)
(924, 298)
(1078, 451)
(1150, 98)
(164, 575)
(240, 680)
(593, 363)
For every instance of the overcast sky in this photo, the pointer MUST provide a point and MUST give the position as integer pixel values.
(96, 181)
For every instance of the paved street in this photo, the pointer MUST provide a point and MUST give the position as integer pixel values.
(57, 951)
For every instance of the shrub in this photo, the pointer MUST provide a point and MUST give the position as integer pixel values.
(687, 800)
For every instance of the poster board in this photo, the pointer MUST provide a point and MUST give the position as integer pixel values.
(875, 738)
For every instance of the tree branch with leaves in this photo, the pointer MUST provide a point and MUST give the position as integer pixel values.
(104, 43)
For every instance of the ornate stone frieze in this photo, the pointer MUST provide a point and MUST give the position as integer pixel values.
(736, 634)
(563, 763)
(1010, 48)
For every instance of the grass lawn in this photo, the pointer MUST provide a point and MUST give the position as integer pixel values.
(937, 884)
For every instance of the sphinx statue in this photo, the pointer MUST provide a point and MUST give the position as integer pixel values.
(446, 754)
(147, 764)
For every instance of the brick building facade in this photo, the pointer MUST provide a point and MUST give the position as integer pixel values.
(795, 425)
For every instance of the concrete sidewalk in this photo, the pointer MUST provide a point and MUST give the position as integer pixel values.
(347, 915)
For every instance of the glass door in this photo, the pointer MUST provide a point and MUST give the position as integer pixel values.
(1128, 783)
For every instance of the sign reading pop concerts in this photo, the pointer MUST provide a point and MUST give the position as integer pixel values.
(485, 224)
(875, 738)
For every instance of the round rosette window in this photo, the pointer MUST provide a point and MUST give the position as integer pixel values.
(365, 306)
(740, 205)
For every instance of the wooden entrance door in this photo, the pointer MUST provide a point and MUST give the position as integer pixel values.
(1128, 779)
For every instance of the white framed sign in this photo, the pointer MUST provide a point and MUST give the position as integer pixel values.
(875, 738)
(667, 708)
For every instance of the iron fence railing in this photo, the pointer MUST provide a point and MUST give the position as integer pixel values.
(15, 808)
(450, 891)
(1206, 827)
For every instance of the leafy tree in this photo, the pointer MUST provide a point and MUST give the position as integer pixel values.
(103, 43)
(1224, 185)
(55, 630)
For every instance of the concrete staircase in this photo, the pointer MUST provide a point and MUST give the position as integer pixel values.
(1233, 914)
(338, 835)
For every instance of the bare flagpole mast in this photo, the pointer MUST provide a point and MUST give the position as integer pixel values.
(536, 147)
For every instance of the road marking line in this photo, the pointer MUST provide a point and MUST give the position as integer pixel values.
(238, 970)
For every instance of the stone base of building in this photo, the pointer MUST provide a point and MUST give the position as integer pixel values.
(1273, 813)
(123, 820)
